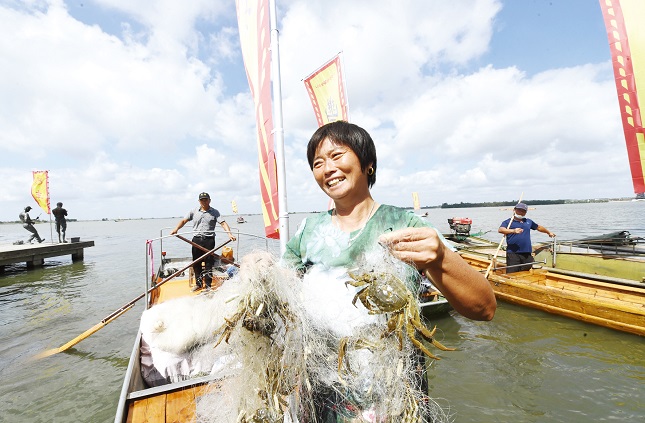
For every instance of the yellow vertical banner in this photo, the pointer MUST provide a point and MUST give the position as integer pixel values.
(415, 201)
(327, 92)
(234, 206)
(255, 42)
(40, 189)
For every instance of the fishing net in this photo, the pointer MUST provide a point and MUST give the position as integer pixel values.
(297, 349)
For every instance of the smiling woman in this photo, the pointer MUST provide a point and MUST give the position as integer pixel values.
(343, 159)
(352, 236)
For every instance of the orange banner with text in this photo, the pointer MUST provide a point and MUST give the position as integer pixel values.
(327, 92)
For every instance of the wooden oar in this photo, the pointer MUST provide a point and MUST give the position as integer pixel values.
(501, 241)
(112, 316)
(205, 249)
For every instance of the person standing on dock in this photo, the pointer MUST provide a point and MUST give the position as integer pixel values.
(204, 219)
(519, 250)
(61, 222)
(28, 223)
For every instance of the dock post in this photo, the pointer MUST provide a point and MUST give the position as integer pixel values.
(78, 255)
(36, 262)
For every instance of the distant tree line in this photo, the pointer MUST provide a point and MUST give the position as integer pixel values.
(500, 204)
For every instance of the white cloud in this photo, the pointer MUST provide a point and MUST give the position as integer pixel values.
(131, 101)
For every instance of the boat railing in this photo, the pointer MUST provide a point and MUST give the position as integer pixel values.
(630, 246)
(243, 244)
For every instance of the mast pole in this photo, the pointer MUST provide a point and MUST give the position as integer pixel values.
(278, 130)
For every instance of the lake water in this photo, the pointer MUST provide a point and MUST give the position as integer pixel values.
(524, 366)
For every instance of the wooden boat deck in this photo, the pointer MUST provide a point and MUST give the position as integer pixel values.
(177, 405)
(175, 288)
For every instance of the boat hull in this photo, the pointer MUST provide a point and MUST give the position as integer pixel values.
(612, 305)
(433, 309)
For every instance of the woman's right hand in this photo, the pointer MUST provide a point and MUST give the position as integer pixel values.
(421, 246)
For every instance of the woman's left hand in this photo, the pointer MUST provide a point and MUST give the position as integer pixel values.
(421, 246)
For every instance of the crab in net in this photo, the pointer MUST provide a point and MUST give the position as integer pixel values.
(382, 293)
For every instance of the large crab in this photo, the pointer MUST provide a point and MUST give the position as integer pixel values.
(385, 293)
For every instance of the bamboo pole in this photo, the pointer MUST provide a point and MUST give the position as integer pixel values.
(112, 316)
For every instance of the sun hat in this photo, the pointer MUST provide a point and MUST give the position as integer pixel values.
(521, 206)
(204, 196)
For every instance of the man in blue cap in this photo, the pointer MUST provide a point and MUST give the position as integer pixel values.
(519, 250)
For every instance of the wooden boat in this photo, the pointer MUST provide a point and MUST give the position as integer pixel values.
(431, 302)
(176, 401)
(434, 307)
(139, 402)
(615, 255)
(609, 302)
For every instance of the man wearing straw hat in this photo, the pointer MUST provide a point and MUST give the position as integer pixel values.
(519, 250)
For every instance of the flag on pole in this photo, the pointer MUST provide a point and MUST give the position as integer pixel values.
(327, 92)
(40, 189)
(415, 201)
(255, 42)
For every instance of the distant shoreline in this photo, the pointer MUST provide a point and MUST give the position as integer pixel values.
(461, 205)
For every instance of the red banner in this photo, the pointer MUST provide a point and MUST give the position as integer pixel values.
(327, 92)
(255, 41)
(40, 189)
(624, 22)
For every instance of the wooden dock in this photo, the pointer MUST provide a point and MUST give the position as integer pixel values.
(35, 254)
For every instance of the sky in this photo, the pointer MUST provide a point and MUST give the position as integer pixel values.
(135, 107)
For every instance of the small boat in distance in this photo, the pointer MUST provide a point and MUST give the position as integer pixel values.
(241, 220)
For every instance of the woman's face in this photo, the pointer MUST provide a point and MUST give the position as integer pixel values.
(337, 170)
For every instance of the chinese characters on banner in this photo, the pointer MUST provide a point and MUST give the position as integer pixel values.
(40, 189)
(327, 92)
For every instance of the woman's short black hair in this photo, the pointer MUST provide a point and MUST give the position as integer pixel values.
(353, 136)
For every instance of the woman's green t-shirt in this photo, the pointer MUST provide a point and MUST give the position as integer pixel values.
(319, 242)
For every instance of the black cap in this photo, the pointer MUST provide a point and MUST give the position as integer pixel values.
(27, 208)
(204, 196)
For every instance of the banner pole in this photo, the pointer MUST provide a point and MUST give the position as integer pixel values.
(278, 130)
